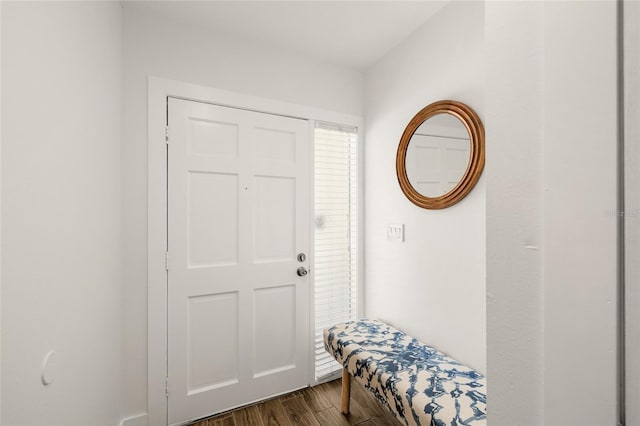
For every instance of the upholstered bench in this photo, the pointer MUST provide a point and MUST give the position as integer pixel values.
(418, 384)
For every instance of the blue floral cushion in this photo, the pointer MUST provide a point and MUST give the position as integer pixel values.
(418, 384)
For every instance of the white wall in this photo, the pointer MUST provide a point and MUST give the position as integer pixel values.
(61, 208)
(580, 187)
(514, 46)
(158, 47)
(432, 285)
(551, 181)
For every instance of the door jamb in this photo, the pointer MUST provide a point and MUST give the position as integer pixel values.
(159, 90)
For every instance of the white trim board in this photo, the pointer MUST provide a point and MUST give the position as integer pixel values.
(1, 333)
(631, 139)
(137, 420)
(159, 90)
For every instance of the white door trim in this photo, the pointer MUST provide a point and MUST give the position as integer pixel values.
(630, 109)
(159, 90)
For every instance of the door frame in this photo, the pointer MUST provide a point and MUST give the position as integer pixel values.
(629, 198)
(159, 90)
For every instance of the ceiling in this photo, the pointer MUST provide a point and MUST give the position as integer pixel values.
(354, 34)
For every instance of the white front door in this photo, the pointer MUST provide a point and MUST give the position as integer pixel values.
(238, 215)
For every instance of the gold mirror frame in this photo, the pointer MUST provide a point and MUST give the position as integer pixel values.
(476, 155)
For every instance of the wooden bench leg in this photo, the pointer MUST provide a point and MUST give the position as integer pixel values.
(346, 391)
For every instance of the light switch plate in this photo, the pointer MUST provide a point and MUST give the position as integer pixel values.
(395, 232)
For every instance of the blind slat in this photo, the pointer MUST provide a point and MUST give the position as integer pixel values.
(335, 248)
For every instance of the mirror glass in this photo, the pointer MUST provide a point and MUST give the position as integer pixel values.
(438, 155)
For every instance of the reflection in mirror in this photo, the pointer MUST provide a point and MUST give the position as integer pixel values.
(438, 155)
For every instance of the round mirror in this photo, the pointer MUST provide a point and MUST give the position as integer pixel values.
(441, 155)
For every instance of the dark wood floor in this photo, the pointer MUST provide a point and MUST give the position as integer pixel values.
(316, 406)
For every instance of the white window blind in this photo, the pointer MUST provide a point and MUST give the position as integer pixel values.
(335, 268)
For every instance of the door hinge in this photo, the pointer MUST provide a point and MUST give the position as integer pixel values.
(166, 135)
(166, 260)
(166, 386)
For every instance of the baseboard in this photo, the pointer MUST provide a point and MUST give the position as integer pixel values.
(137, 420)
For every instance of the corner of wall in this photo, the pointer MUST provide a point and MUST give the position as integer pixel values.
(513, 82)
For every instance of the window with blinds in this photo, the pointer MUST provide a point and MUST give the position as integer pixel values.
(335, 268)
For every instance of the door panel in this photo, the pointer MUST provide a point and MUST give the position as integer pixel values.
(275, 336)
(437, 163)
(274, 219)
(205, 312)
(213, 199)
(238, 211)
